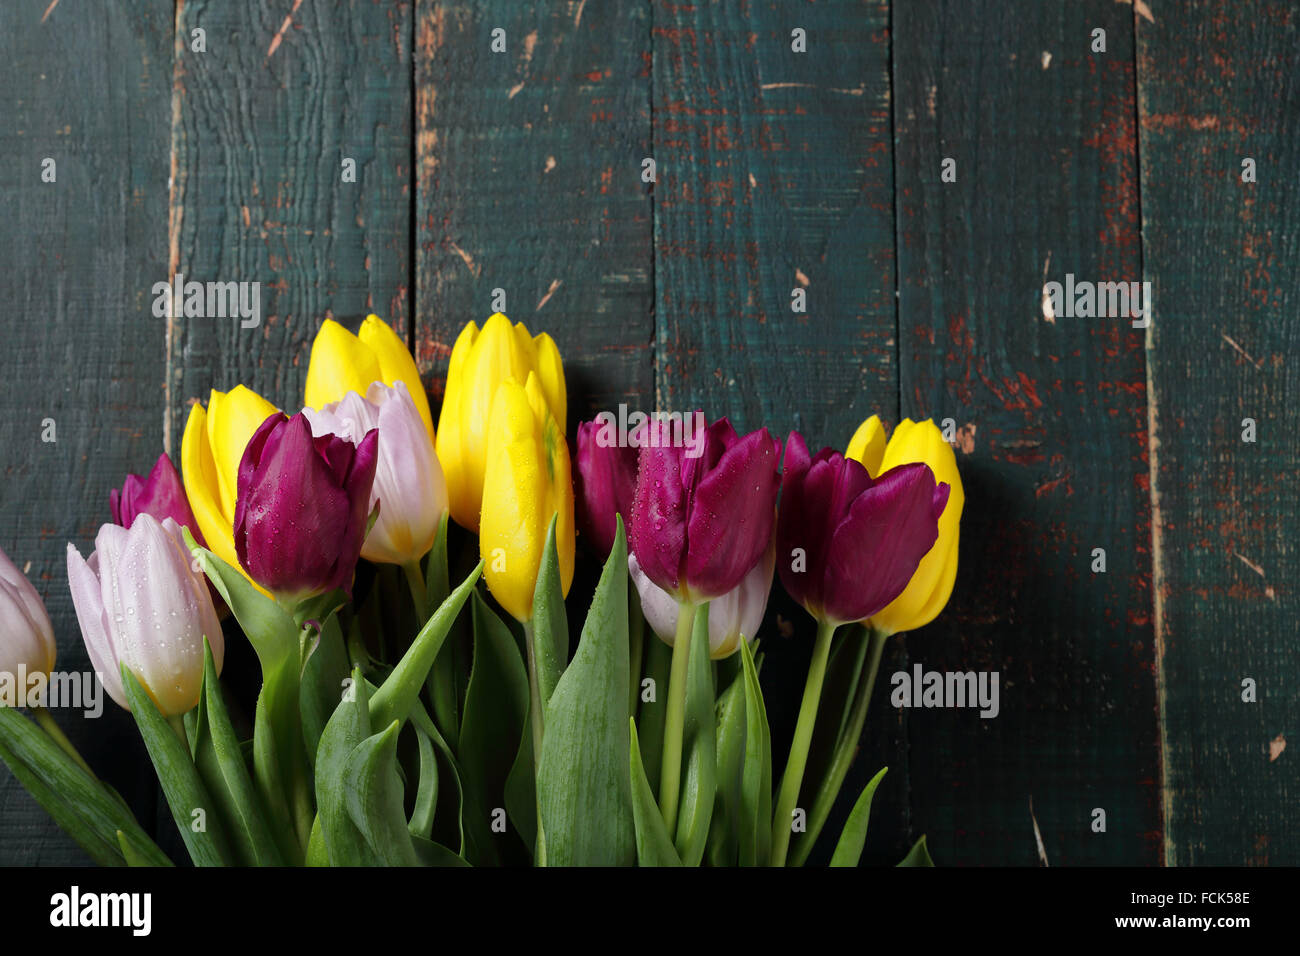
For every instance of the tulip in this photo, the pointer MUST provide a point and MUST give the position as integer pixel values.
(701, 519)
(604, 486)
(302, 507)
(699, 524)
(409, 488)
(733, 617)
(140, 604)
(929, 588)
(480, 362)
(211, 450)
(527, 482)
(342, 362)
(848, 543)
(26, 638)
(161, 494)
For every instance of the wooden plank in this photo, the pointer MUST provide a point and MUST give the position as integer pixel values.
(1218, 86)
(1053, 419)
(529, 182)
(262, 124)
(775, 173)
(89, 89)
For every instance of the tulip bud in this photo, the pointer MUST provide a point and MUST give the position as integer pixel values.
(302, 508)
(847, 543)
(211, 450)
(26, 637)
(604, 486)
(140, 603)
(528, 481)
(480, 362)
(161, 494)
(735, 615)
(409, 489)
(342, 362)
(928, 590)
(700, 523)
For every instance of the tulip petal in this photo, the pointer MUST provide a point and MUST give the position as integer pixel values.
(83, 581)
(876, 548)
(868, 445)
(340, 363)
(660, 514)
(396, 364)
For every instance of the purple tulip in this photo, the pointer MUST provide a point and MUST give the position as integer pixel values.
(605, 485)
(161, 494)
(302, 506)
(140, 603)
(848, 544)
(703, 512)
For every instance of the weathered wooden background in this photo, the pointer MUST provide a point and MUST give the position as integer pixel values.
(775, 170)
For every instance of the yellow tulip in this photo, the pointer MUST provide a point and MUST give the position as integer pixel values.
(480, 362)
(342, 362)
(931, 585)
(528, 480)
(213, 444)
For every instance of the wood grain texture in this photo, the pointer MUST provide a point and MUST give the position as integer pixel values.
(88, 88)
(775, 173)
(261, 124)
(1218, 84)
(1052, 418)
(529, 181)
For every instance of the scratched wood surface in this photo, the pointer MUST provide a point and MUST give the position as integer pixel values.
(775, 171)
(1052, 417)
(89, 89)
(1218, 85)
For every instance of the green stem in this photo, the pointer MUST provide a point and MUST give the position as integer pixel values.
(846, 747)
(670, 773)
(178, 725)
(792, 779)
(636, 638)
(415, 578)
(46, 720)
(535, 721)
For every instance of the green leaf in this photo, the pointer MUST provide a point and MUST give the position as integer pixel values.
(137, 855)
(422, 722)
(221, 764)
(348, 726)
(756, 777)
(179, 778)
(373, 797)
(854, 835)
(919, 855)
(521, 787)
(654, 713)
(653, 845)
(426, 794)
(583, 787)
(550, 621)
(724, 842)
(401, 689)
(699, 747)
(430, 853)
(322, 679)
(496, 705)
(437, 580)
(83, 807)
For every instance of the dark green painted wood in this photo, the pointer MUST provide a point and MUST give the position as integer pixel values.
(1218, 84)
(261, 124)
(775, 173)
(1053, 449)
(88, 88)
(529, 181)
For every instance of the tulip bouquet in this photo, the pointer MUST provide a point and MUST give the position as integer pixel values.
(422, 701)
